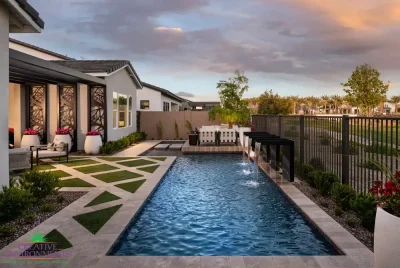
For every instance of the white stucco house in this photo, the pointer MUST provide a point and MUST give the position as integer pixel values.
(16, 16)
(153, 98)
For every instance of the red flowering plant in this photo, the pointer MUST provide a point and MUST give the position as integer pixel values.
(10, 130)
(63, 131)
(30, 131)
(93, 133)
(388, 194)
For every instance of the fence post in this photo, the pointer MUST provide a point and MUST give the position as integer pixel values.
(301, 139)
(345, 149)
(279, 125)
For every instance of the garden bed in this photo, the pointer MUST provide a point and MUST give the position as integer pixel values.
(22, 226)
(327, 204)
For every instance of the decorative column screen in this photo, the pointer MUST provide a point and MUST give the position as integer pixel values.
(67, 110)
(97, 106)
(37, 110)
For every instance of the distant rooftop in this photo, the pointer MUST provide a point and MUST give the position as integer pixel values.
(31, 12)
(40, 49)
(164, 92)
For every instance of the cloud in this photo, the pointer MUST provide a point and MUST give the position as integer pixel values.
(185, 94)
(176, 30)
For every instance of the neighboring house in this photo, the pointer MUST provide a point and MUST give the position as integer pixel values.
(16, 16)
(203, 105)
(36, 51)
(153, 98)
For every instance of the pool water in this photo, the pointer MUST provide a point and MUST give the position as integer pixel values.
(219, 205)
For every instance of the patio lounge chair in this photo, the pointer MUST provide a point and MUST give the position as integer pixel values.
(19, 158)
(42, 152)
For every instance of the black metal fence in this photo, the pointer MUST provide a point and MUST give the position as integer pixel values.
(359, 150)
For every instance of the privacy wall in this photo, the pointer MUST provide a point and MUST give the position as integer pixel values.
(149, 121)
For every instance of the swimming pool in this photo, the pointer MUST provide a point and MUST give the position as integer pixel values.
(218, 205)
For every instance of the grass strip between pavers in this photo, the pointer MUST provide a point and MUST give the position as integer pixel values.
(96, 168)
(70, 158)
(136, 163)
(60, 173)
(75, 182)
(115, 159)
(80, 163)
(103, 198)
(158, 158)
(117, 176)
(130, 186)
(149, 169)
(60, 240)
(43, 166)
(54, 237)
(93, 221)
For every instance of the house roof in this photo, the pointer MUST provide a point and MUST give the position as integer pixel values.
(204, 103)
(40, 49)
(99, 66)
(164, 92)
(31, 12)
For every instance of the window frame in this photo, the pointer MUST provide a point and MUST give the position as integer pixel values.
(128, 111)
(141, 104)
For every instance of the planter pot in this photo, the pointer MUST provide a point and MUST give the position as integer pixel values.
(65, 138)
(386, 239)
(29, 140)
(193, 139)
(93, 144)
(241, 135)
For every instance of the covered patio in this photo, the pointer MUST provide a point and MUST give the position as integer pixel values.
(45, 96)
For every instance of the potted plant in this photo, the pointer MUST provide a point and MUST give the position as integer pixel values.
(93, 142)
(63, 135)
(387, 222)
(30, 138)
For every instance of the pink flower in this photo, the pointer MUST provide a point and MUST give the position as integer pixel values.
(63, 131)
(30, 131)
(93, 133)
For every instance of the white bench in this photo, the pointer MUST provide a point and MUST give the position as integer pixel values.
(42, 152)
(19, 158)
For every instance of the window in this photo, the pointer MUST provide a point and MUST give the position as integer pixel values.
(145, 105)
(166, 107)
(122, 110)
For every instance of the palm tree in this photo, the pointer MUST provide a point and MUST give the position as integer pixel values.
(295, 101)
(325, 100)
(314, 101)
(395, 100)
(337, 101)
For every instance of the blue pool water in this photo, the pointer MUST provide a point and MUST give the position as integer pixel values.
(215, 205)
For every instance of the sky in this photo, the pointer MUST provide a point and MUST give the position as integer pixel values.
(294, 47)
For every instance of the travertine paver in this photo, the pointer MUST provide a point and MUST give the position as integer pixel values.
(162, 146)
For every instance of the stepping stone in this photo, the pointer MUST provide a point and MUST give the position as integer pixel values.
(175, 146)
(162, 146)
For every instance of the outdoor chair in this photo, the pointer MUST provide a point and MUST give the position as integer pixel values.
(19, 158)
(43, 151)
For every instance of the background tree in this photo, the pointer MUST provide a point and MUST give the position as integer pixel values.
(395, 100)
(325, 100)
(365, 87)
(274, 104)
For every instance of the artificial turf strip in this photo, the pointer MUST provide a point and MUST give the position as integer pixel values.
(149, 169)
(158, 158)
(136, 163)
(114, 159)
(130, 186)
(117, 176)
(93, 221)
(96, 168)
(103, 198)
(43, 166)
(60, 240)
(60, 173)
(75, 183)
(80, 163)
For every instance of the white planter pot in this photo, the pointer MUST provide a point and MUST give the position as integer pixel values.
(65, 139)
(29, 140)
(241, 136)
(386, 240)
(93, 144)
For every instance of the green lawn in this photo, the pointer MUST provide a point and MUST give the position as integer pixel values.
(54, 237)
(75, 183)
(93, 221)
(43, 166)
(96, 168)
(136, 163)
(80, 163)
(70, 158)
(131, 186)
(103, 198)
(149, 169)
(158, 158)
(60, 173)
(60, 240)
(117, 176)
(114, 159)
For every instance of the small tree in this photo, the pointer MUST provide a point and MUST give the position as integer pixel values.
(274, 104)
(365, 88)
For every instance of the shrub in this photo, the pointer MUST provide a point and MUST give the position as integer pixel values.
(310, 178)
(189, 126)
(364, 205)
(317, 164)
(343, 194)
(14, 202)
(381, 149)
(371, 164)
(48, 208)
(7, 230)
(307, 168)
(40, 184)
(111, 147)
(324, 181)
(353, 148)
(291, 133)
(338, 211)
(30, 218)
(60, 198)
(325, 140)
(351, 222)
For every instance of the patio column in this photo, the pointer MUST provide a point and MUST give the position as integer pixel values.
(4, 78)
(82, 111)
